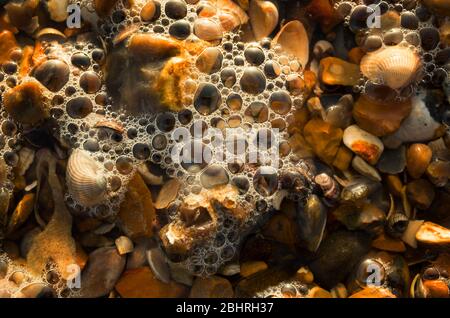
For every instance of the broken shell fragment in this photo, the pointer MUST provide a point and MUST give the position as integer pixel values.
(312, 221)
(124, 245)
(85, 179)
(433, 235)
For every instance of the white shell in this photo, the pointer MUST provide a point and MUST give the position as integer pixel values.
(207, 29)
(394, 66)
(85, 180)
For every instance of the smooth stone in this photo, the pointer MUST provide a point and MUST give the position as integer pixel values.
(433, 234)
(420, 193)
(337, 255)
(419, 126)
(323, 138)
(104, 267)
(362, 143)
(418, 157)
(335, 71)
(392, 161)
(378, 118)
(150, 11)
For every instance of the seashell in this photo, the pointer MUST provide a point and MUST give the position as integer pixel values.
(329, 186)
(263, 18)
(365, 169)
(312, 221)
(207, 29)
(397, 224)
(293, 39)
(230, 7)
(323, 49)
(158, 263)
(362, 143)
(359, 189)
(394, 66)
(85, 180)
(110, 124)
(47, 34)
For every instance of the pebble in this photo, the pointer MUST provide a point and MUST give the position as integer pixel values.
(418, 157)
(137, 213)
(124, 245)
(365, 169)
(251, 267)
(364, 144)
(431, 234)
(392, 161)
(142, 283)
(323, 138)
(380, 118)
(26, 104)
(335, 71)
(103, 270)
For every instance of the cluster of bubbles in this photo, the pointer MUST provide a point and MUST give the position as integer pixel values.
(375, 24)
(17, 282)
(286, 289)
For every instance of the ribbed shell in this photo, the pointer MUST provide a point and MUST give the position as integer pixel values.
(85, 179)
(394, 66)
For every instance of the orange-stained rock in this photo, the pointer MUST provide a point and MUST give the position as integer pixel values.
(142, 283)
(355, 55)
(334, 71)
(7, 44)
(323, 138)
(300, 147)
(373, 292)
(343, 158)
(137, 213)
(387, 243)
(318, 292)
(211, 287)
(310, 80)
(418, 158)
(281, 229)
(363, 143)
(436, 289)
(433, 234)
(26, 104)
(298, 120)
(378, 118)
(147, 47)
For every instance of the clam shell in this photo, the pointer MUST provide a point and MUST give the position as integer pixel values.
(85, 180)
(293, 39)
(394, 66)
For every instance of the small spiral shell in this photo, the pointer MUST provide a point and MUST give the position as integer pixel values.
(329, 186)
(85, 179)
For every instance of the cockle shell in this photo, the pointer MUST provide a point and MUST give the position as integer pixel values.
(85, 180)
(394, 66)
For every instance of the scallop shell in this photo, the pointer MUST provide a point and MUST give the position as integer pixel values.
(394, 66)
(293, 39)
(85, 180)
(263, 18)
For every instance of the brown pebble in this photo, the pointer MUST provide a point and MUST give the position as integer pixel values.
(418, 157)
(148, 11)
(420, 193)
(25, 103)
(251, 267)
(436, 289)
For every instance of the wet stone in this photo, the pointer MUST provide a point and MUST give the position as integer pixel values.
(392, 161)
